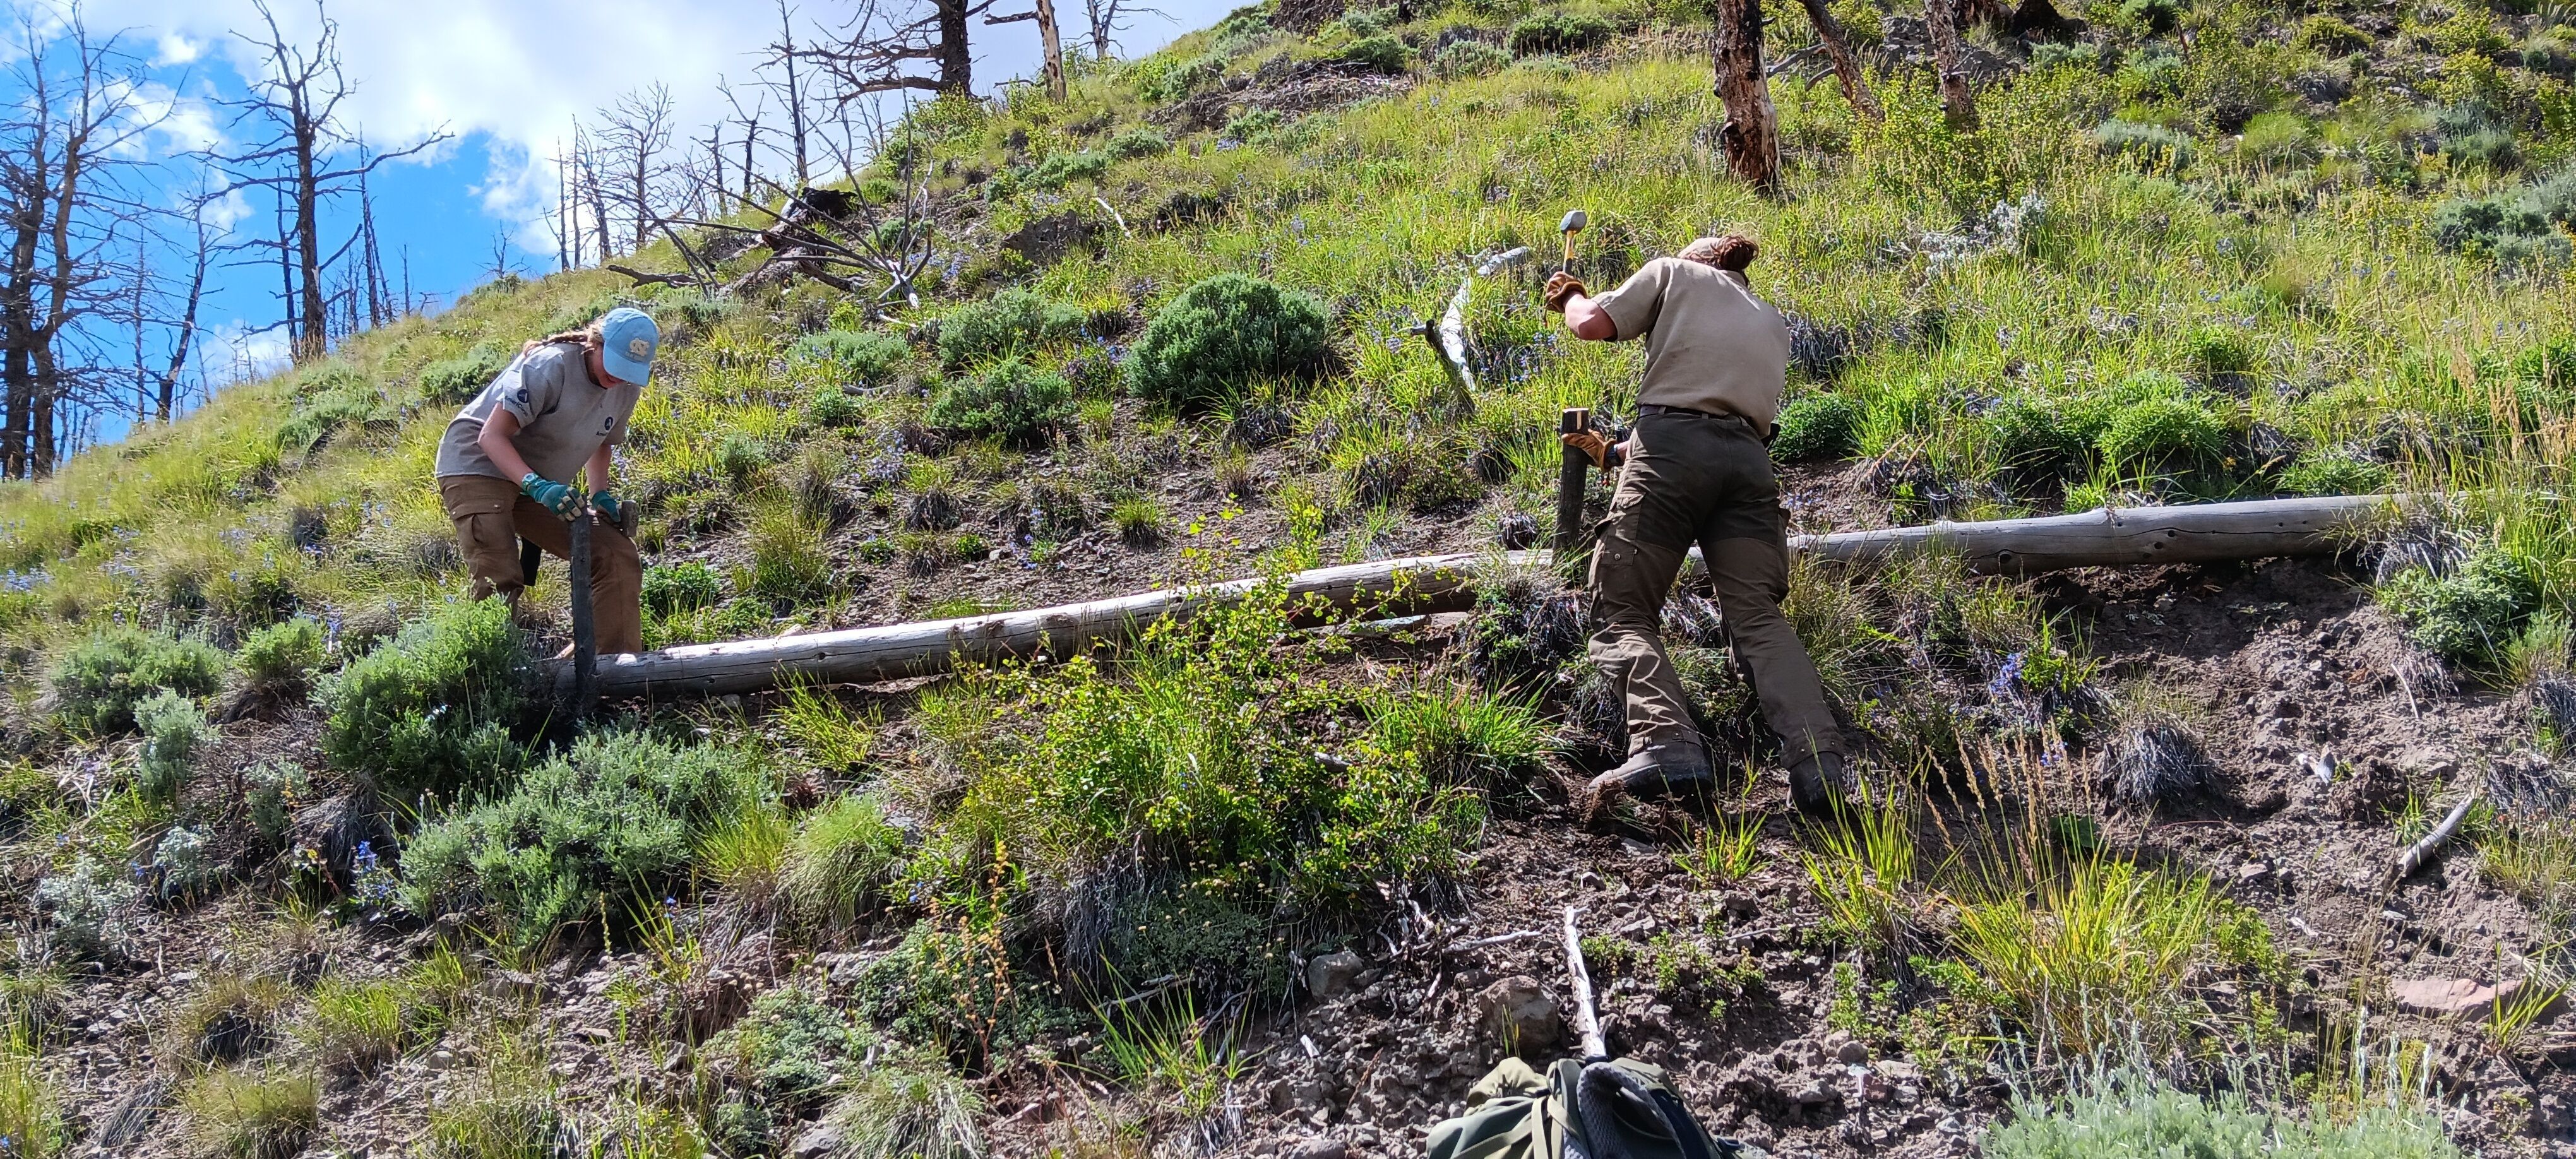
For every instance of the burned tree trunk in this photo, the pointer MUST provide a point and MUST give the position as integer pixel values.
(1949, 55)
(1837, 46)
(1752, 132)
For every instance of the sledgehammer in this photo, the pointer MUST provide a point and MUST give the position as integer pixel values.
(1575, 220)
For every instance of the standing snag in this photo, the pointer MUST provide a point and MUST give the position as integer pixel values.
(1752, 132)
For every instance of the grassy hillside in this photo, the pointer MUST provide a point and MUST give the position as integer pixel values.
(1115, 902)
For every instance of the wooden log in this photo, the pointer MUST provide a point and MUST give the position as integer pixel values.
(2114, 537)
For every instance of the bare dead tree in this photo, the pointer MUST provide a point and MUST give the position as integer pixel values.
(1050, 45)
(183, 342)
(790, 90)
(874, 249)
(750, 122)
(633, 134)
(1108, 18)
(894, 45)
(297, 100)
(1752, 131)
(1837, 45)
(501, 266)
(68, 152)
(1941, 18)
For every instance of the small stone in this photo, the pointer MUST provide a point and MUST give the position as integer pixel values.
(1854, 1051)
(1520, 1014)
(2455, 997)
(1328, 975)
(1811, 1093)
(441, 1060)
(1320, 1147)
(819, 1140)
(2252, 871)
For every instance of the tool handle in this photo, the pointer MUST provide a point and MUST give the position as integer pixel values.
(1568, 266)
(585, 635)
(1570, 481)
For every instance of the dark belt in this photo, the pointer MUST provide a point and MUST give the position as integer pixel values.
(1655, 408)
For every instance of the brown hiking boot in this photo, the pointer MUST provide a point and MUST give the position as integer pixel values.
(1816, 784)
(1658, 771)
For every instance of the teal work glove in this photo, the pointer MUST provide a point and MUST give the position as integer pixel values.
(611, 508)
(552, 496)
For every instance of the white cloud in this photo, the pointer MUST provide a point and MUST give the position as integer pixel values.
(173, 50)
(519, 71)
(233, 352)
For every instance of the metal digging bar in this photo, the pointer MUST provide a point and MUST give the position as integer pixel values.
(585, 637)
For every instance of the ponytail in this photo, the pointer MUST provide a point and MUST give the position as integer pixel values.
(587, 337)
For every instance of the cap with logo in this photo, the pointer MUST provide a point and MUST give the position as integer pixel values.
(627, 340)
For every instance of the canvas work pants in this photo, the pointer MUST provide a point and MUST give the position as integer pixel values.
(1702, 478)
(491, 516)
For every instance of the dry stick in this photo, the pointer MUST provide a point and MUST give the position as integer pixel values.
(1587, 1022)
(2422, 851)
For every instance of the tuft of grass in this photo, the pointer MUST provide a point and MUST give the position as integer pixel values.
(1863, 870)
(254, 1113)
(1139, 520)
(788, 562)
(745, 854)
(31, 1116)
(231, 1017)
(357, 1025)
(2095, 956)
(1168, 1050)
(840, 860)
(1722, 852)
(908, 1108)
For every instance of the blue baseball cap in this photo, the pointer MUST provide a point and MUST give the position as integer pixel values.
(627, 340)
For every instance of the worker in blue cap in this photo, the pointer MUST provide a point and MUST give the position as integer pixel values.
(506, 466)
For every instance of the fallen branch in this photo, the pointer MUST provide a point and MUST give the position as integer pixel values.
(1436, 583)
(2422, 851)
(1587, 1022)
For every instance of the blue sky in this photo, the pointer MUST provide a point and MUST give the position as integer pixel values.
(506, 77)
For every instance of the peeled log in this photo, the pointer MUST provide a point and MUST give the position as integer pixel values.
(2111, 537)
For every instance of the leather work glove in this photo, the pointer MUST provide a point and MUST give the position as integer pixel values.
(552, 496)
(1562, 286)
(617, 512)
(1591, 444)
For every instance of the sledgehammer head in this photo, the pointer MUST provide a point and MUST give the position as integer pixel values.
(1575, 220)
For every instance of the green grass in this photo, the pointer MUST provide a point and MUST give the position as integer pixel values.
(253, 1113)
(2142, 1118)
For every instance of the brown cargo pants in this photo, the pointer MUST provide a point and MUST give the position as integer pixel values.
(1706, 478)
(491, 516)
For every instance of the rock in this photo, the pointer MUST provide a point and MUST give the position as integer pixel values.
(2455, 997)
(441, 1060)
(819, 1140)
(1048, 238)
(1322, 1147)
(1854, 1051)
(2252, 871)
(1520, 1014)
(1329, 975)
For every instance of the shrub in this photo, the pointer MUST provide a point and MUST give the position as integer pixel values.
(1817, 426)
(1468, 58)
(1558, 32)
(173, 729)
(908, 1108)
(427, 713)
(254, 1114)
(2163, 433)
(1062, 169)
(1224, 334)
(86, 910)
(456, 381)
(2334, 472)
(2153, 17)
(670, 589)
(2329, 35)
(2136, 1116)
(2508, 230)
(865, 357)
(97, 685)
(1008, 323)
(841, 858)
(2032, 440)
(741, 456)
(1134, 143)
(2153, 146)
(1382, 53)
(327, 399)
(2472, 134)
(2218, 350)
(2469, 616)
(833, 408)
(790, 1047)
(271, 790)
(602, 828)
(1011, 399)
(280, 659)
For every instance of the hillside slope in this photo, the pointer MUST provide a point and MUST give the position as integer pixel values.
(349, 887)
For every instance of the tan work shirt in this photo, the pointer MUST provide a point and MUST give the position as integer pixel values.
(563, 416)
(1711, 343)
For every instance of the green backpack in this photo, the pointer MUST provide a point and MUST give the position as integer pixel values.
(1615, 1109)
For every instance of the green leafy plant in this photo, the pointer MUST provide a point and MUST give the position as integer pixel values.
(428, 713)
(791, 1047)
(863, 357)
(173, 729)
(2468, 616)
(280, 659)
(2134, 1114)
(1558, 32)
(455, 381)
(99, 682)
(2163, 433)
(589, 832)
(1139, 142)
(1224, 334)
(1008, 323)
(1822, 425)
(1010, 399)
(1722, 852)
(672, 589)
